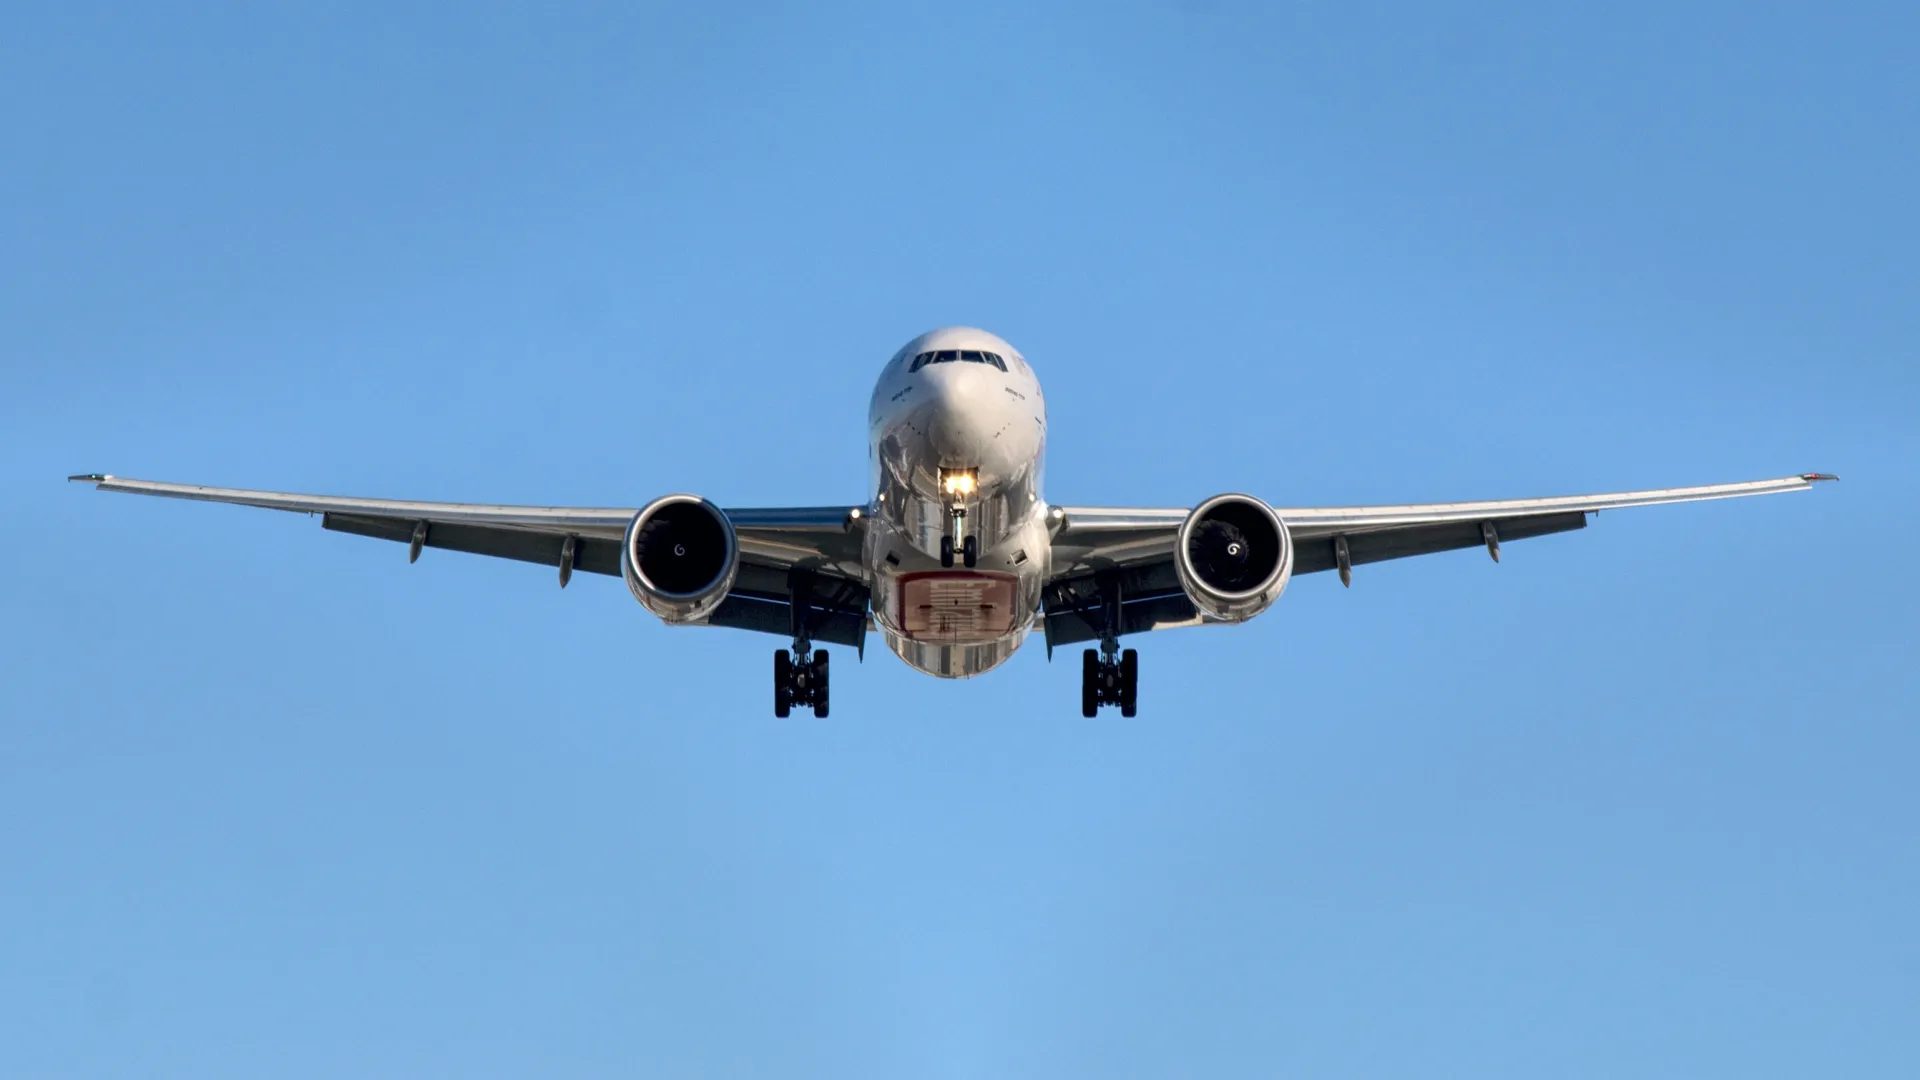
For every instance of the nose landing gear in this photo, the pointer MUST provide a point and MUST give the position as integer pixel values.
(968, 544)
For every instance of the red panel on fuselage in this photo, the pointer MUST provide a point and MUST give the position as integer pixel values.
(956, 606)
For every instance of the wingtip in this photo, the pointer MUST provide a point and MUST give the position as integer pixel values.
(1817, 477)
(91, 478)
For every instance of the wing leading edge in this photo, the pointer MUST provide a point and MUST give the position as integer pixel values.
(775, 543)
(1135, 545)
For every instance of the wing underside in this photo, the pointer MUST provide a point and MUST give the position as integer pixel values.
(815, 551)
(1129, 551)
(815, 548)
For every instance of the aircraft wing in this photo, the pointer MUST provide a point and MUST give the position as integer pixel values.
(1136, 545)
(774, 542)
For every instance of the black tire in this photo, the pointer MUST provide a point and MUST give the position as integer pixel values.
(1129, 682)
(946, 552)
(1089, 683)
(820, 683)
(782, 683)
(970, 551)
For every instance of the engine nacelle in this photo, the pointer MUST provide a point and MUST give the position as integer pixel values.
(679, 557)
(1234, 556)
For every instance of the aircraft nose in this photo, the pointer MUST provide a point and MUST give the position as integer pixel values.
(955, 384)
(959, 405)
(970, 421)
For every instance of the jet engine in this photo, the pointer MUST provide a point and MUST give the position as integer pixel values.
(679, 557)
(1234, 556)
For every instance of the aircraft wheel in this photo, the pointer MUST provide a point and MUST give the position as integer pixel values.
(1089, 683)
(970, 551)
(946, 552)
(782, 683)
(820, 683)
(1129, 681)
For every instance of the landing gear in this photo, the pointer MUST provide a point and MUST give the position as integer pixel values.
(782, 683)
(1109, 675)
(1089, 683)
(958, 541)
(820, 683)
(800, 678)
(969, 552)
(1109, 680)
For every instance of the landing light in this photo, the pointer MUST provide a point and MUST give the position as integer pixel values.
(957, 481)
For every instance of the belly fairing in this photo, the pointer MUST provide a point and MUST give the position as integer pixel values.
(952, 621)
(955, 661)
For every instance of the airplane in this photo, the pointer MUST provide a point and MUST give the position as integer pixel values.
(955, 556)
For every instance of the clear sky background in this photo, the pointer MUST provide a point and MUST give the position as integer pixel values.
(1640, 801)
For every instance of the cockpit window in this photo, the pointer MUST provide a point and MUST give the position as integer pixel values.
(948, 356)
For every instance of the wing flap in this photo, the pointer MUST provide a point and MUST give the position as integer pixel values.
(742, 612)
(1070, 626)
(1314, 554)
(595, 555)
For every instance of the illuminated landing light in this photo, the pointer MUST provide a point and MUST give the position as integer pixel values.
(958, 482)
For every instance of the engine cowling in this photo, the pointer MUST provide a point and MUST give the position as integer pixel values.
(1234, 556)
(680, 557)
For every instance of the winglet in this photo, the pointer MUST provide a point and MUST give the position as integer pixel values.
(92, 477)
(1816, 477)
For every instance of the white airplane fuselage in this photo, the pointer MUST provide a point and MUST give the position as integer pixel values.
(956, 451)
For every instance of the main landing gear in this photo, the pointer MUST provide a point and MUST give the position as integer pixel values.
(800, 678)
(1109, 675)
(1109, 680)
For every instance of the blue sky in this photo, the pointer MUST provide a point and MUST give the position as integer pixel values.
(1637, 802)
